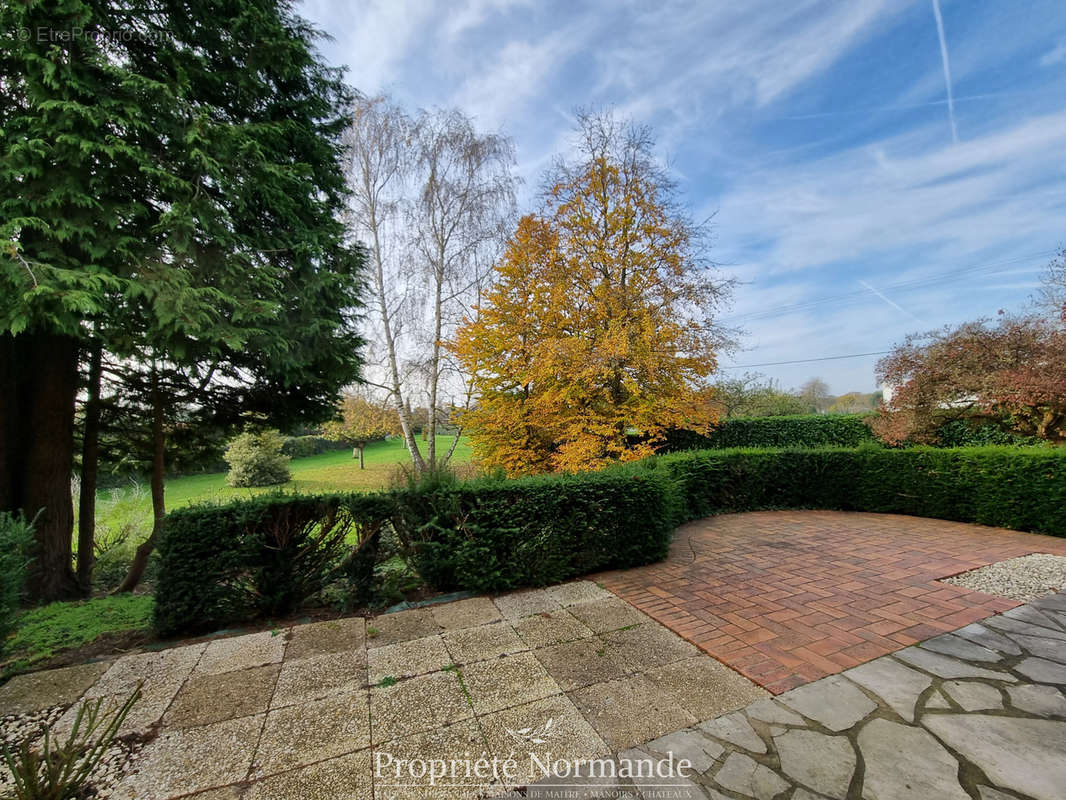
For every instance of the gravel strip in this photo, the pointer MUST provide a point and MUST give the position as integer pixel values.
(116, 761)
(1022, 578)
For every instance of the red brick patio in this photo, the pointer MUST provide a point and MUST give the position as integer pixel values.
(786, 597)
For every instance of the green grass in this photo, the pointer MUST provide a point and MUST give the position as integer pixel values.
(45, 631)
(335, 471)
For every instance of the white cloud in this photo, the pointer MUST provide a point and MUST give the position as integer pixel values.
(1055, 55)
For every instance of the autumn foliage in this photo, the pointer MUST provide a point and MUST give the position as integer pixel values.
(362, 421)
(597, 335)
(1012, 372)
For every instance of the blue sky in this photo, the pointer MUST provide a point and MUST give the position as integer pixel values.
(819, 133)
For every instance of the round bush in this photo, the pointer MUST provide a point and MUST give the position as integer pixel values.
(256, 459)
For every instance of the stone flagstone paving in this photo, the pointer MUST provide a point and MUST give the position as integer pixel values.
(978, 714)
(568, 672)
(300, 713)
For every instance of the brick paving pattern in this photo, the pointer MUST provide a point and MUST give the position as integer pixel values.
(788, 597)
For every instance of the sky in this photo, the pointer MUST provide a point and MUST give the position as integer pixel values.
(873, 167)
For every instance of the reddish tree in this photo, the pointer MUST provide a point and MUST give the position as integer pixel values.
(1011, 371)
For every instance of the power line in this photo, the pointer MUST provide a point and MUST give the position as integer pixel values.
(805, 360)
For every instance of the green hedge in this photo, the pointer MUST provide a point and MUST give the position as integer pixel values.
(496, 535)
(262, 557)
(265, 556)
(1008, 487)
(804, 430)
(304, 446)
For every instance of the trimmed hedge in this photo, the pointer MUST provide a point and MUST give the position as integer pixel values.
(262, 557)
(265, 556)
(304, 446)
(496, 535)
(803, 430)
(1007, 487)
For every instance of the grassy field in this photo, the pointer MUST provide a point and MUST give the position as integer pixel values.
(335, 471)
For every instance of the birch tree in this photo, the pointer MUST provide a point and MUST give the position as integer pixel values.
(430, 198)
(380, 163)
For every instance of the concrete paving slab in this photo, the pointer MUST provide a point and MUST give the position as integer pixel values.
(306, 679)
(330, 636)
(400, 626)
(417, 704)
(539, 733)
(37, 691)
(646, 646)
(550, 627)
(348, 777)
(580, 663)
(530, 601)
(705, 687)
(242, 652)
(575, 592)
(608, 614)
(509, 681)
(394, 780)
(483, 642)
(160, 667)
(406, 659)
(295, 736)
(212, 698)
(183, 761)
(469, 613)
(629, 711)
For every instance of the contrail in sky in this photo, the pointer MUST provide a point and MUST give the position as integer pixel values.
(894, 305)
(947, 68)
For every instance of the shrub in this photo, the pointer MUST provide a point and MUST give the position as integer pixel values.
(304, 446)
(255, 459)
(1009, 487)
(979, 432)
(806, 430)
(262, 557)
(265, 556)
(495, 535)
(16, 538)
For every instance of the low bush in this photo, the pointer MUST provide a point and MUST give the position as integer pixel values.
(804, 430)
(265, 556)
(255, 459)
(496, 535)
(304, 446)
(16, 538)
(262, 557)
(1009, 487)
(978, 432)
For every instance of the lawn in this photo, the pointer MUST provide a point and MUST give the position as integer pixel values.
(46, 631)
(335, 471)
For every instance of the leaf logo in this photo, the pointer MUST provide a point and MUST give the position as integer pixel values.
(532, 735)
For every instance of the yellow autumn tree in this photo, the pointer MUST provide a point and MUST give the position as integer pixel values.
(598, 333)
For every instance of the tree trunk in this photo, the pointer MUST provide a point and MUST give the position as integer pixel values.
(361, 465)
(90, 459)
(159, 512)
(390, 344)
(434, 369)
(39, 371)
